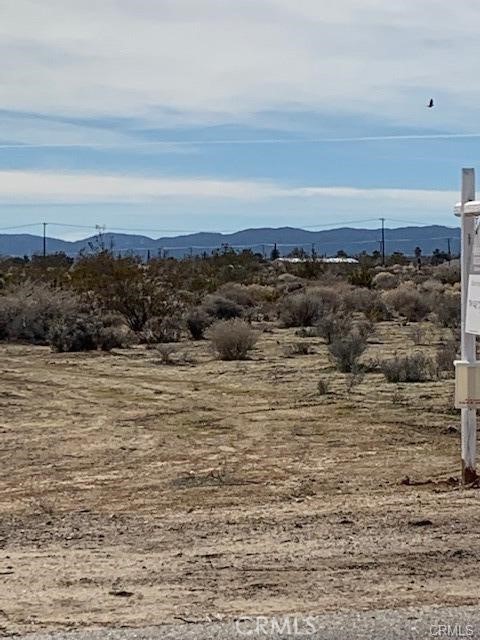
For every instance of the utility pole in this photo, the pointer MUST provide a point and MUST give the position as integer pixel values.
(44, 239)
(383, 241)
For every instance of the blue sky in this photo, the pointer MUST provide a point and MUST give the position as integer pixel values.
(211, 115)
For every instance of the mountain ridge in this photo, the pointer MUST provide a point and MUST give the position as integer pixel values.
(325, 242)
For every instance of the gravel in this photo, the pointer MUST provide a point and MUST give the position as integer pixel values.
(398, 624)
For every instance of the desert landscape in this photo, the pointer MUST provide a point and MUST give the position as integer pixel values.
(146, 485)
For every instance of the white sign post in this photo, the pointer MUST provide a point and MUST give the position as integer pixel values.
(467, 368)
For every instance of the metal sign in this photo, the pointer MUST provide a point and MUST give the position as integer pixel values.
(472, 322)
(472, 319)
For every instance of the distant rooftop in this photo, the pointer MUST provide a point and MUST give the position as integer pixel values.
(327, 260)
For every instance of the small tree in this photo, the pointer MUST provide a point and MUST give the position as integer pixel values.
(275, 253)
(298, 252)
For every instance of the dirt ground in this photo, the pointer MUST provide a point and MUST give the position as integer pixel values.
(137, 493)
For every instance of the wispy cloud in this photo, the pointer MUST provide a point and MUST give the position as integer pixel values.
(46, 187)
(193, 58)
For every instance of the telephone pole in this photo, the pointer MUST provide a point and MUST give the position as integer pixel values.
(383, 241)
(44, 239)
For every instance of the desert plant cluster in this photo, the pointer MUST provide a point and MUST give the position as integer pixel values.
(268, 410)
(101, 301)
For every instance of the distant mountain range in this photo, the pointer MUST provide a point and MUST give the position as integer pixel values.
(352, 241)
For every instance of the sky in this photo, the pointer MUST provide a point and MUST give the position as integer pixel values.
(172, 116)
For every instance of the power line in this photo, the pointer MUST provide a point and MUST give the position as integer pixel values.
(22, 226)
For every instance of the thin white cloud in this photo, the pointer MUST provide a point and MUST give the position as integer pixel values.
(211, 60)
(39, 187)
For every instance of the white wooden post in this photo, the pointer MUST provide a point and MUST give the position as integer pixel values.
(469, 415)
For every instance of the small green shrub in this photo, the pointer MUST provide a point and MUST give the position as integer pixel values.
(232, 339)
(237, 293)
(448, 272)
(361, 277)
(368, 302)
(221, 308)
(346, 351)
(306, 309)
(322, 386)
(88, 331)
(334, 325)
(165, 351)
(198, 321)
(448, 309)
(79, 333)
(28, 311)
(446, 354)
(411, 368)
(385, 280)
(408, 302)
(168, 329)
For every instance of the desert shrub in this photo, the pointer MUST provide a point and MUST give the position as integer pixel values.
(353, 379)
(361, 277)
(232, 339)
(165, 351)
(291, 287)
(307, 332)
(368, 302)
(28, 311)
(346, 351)
(298, 349)
(75, 333)
(416, 367)
(198, 321)
(238, 293)
(262, 293)
(299, 310)
(448, 309)
(364, 327)
(408, 302)
(385, 280)
(124, 285)
(432, 286)
(329, 297)
(114, 337)
(333, 325)
(221, 308)
(287, 277)
(306, 309)
(447, 352)
(322, 386)
(448, 273)
(168, 329)
(417, 334)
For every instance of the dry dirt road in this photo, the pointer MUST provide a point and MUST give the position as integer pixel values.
(135, 493)
(428, 623)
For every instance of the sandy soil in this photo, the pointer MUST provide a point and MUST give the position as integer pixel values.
(137, 493)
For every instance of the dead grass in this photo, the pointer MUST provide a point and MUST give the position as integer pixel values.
(190, 486)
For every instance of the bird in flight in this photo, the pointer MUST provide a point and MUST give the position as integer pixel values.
(430, 104)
